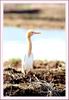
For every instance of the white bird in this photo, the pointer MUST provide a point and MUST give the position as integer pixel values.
(28, 59)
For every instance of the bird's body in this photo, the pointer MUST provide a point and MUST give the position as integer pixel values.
(28, 62)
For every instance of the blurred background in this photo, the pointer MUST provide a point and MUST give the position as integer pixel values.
(35, 15)
(48, 19)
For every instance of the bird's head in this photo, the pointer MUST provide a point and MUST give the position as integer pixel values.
(31, 32)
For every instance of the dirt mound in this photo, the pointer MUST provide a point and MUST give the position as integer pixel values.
(38, 82)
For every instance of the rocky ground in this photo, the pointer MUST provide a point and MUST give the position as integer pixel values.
(46, 79)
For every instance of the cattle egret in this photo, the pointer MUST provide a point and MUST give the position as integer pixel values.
(28, 59)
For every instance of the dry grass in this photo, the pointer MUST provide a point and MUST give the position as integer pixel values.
(34, 23)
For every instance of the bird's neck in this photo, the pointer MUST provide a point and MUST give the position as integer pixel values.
(29, 45)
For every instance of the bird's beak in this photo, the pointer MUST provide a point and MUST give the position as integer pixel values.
(35, 32)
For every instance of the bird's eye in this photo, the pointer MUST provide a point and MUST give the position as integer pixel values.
(33, 32)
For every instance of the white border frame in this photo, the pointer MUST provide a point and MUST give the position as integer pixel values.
(66, 30)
